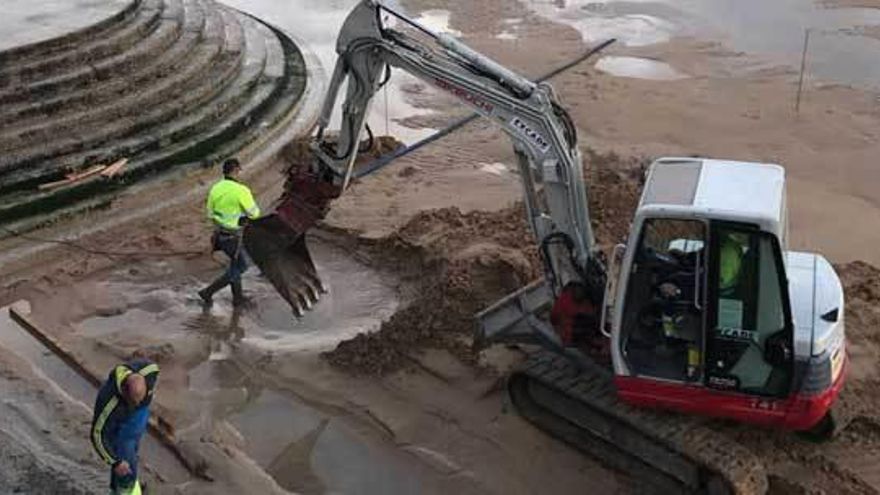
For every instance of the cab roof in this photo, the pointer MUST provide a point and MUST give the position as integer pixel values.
(717, 189)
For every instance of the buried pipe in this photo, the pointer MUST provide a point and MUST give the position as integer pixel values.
(384, 161)
(160, 428)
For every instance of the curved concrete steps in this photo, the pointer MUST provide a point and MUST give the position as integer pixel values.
(163, 51)
(198, 82)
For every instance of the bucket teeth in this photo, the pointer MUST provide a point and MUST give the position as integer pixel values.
(313, 290)
(284, 259)
(298, 309)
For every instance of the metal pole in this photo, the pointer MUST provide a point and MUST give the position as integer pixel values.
(797, 104)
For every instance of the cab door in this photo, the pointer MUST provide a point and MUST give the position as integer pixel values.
(749, 329)
(662, 321)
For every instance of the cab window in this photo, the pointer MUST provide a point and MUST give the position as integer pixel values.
(662, 328)
(749, 317)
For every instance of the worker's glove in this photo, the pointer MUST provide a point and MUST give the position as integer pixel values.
(242, 221)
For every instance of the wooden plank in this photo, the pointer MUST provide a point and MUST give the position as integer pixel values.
(113, 169)
(160, 428)
(72, 178)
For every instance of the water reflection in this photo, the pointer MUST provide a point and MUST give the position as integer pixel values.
(317, 22)
(639, 68)
(772, 29)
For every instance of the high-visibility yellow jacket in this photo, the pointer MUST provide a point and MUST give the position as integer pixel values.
(117, 428)
(730, 264)
(228, 201)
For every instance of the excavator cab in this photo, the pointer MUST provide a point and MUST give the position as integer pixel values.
(711, 315)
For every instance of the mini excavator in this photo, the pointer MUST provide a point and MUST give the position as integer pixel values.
(703, 311)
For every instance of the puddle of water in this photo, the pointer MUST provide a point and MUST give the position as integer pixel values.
(777, 29)
(639, 68)
(597, 23)
(437, 20)
(511, 26)
(70, 384)
(304, 449)
(773, 29)
(358, 300)
(494, 168)
(317, 22)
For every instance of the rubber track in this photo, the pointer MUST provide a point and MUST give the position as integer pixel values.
(665, 452)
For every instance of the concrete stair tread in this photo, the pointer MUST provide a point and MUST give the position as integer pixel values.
(191, 122)
(67, 78)
(147, 18)
(185, 152)
(166, 47)
(250, 84)
(190, 86)
(64, 42)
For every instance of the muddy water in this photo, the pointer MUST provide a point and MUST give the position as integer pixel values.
(304, 449)
(316, 23)
(50, 367)
(772, 29)
(358, 299)
(639, 68)
(303, 446)
(437, 20)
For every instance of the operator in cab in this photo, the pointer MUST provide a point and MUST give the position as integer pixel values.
(230, 206)
(122, 412)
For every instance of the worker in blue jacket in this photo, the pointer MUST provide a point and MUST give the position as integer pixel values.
(122, 411)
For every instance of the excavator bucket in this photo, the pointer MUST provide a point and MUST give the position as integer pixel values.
(277, 242)
(283, 257)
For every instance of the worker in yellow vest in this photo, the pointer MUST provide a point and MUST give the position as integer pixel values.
(230, 205)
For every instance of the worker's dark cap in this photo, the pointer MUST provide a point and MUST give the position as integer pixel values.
(230, 165)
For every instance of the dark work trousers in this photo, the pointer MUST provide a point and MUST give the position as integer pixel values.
(230, 244)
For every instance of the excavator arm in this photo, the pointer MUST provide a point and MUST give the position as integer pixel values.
(544, 140)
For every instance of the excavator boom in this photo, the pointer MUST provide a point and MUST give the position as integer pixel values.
(543, 136)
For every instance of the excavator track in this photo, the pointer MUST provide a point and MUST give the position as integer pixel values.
(576, 401)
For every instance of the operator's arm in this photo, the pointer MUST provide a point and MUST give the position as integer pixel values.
(247, 203)
(104, 425)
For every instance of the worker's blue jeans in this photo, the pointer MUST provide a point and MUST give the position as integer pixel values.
(229, 243)
(126, 443)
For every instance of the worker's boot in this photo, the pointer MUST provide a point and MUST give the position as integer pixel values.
(238, 298)
(207, 294)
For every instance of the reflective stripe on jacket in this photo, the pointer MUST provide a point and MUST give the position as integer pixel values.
(228, 201)
(112, 413)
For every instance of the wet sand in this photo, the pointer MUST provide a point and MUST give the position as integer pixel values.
(438, 423)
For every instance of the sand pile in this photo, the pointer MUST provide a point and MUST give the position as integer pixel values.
(615, 185)
(298, 152)
(462, 262)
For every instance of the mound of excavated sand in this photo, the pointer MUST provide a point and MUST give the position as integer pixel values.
(298, 151)
(466, 261)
